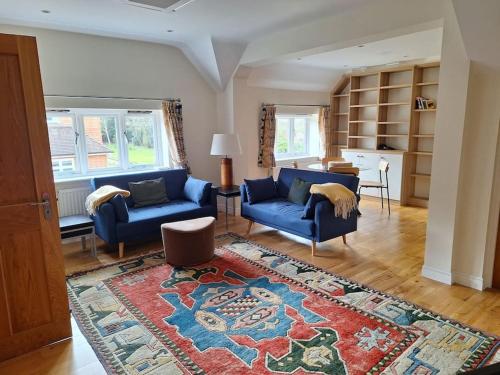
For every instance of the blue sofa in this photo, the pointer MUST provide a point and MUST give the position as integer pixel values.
(144, 223)
(283, 215)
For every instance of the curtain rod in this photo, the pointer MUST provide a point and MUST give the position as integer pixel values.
(108, 97)
(299, 105)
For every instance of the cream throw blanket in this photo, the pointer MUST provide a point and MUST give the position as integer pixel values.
(343, 199)
(101, 195)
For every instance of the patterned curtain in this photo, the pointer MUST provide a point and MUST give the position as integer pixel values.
(326, 134)
(172, 116)
(267, 133)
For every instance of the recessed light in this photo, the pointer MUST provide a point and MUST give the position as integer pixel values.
(405, 56)
(170, 31)
(46, 11)
(361, 46)
(299, 58)
(346, 66)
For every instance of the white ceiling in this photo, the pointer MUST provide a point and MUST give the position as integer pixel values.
(416, 46)
(236, 20)
(201, 28)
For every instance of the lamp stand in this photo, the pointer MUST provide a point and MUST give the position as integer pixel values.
(226, 172)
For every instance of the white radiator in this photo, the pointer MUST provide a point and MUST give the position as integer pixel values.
(72, 201)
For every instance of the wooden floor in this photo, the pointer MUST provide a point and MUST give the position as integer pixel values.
(385, 253)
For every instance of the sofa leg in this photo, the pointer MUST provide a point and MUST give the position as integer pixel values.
(313, 248)
(344, 239)
(249, 228)
(121, 247)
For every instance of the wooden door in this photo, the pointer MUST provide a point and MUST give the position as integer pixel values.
(496, 267)
(33, 301)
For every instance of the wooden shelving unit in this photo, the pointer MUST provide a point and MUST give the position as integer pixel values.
(418, 165)
(339, 105)
(378, 107)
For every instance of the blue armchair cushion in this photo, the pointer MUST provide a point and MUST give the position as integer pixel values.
(120, 207)
(299, 191)
(260, 190)
(148, 192)
(197, 191)
(310, 206)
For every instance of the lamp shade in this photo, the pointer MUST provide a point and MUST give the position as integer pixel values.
(225, 144)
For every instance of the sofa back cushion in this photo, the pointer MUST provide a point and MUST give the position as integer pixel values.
(174, 180)
(148, 192)
(287, 175)
(260, 190)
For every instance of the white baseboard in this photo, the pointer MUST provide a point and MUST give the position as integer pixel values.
(436, 274)
(471, 281)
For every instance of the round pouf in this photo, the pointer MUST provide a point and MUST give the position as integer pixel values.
(189, 242)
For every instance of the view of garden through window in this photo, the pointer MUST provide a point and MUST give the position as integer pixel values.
(113, 139)
(296, 136)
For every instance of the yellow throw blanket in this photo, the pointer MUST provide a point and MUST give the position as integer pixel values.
(101, 195)
(343, 199)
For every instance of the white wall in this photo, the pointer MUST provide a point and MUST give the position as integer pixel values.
(477, 204)
(452, 97)
(464, 196)
(78, 64)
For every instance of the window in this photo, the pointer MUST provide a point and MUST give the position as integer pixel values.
(296, 136)
(86, 142)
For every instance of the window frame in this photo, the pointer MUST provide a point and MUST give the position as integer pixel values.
(291, 133)
(81, 155)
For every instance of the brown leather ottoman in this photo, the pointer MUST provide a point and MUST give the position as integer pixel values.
(189, 242)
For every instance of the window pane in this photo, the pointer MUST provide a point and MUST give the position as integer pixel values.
(140, 142)
(299, 135)
(101, 141)
(282, 135)
(62, 139)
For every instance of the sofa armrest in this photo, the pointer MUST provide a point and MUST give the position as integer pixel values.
(212, 201)
(329, 226)
(105, 223)
(243, 193)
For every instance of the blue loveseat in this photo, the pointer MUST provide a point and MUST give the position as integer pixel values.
(283, 215)
(144, 223)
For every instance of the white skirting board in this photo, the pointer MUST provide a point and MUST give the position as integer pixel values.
(453, 277)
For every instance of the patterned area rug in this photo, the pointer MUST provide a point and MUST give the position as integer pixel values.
(254, 310)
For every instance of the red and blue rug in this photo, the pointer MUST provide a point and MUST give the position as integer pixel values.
(254, 310)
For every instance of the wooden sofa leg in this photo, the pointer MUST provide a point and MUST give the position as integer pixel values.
(121, 247)
(313, 248)
(344, 239)
(249, 228)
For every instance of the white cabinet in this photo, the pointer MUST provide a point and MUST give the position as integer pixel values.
(368, 164)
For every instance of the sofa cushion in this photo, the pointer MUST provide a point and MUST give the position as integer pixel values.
(146, 221)
(120, 207)
(148, 192)
(299, 191)
(279, 212)
(310, 206)
(197, 191)
(260, 190)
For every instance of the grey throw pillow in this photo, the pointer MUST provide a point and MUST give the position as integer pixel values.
(299, 191)
(148, 192)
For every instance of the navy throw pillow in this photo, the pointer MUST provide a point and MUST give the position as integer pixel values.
(311, 205)
(121, 209)
(260, 190)
(197, 191)
(299, 191)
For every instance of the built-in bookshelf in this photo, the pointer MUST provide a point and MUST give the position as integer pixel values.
(391, 110)
(339, 109)
(418, 165)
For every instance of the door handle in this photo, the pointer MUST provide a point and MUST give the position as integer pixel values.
(45, 203)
